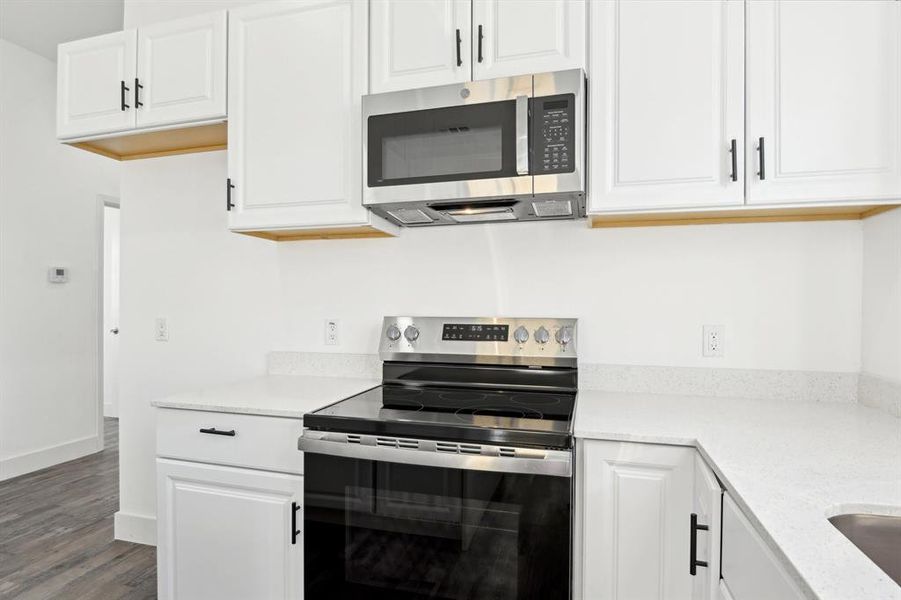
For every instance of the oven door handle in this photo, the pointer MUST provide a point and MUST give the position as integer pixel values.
(432, 453)
(522, 135)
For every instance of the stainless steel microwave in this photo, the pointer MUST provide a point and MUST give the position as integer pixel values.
(510, 149)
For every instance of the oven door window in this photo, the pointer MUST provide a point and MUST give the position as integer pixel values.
(456, 143)
(376, 530)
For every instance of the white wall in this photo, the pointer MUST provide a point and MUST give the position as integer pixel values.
(49, 216)
(881, 347)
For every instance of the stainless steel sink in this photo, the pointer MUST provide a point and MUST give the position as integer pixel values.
(877, 536)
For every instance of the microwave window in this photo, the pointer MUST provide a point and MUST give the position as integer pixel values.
(454, 143)
(451, 151)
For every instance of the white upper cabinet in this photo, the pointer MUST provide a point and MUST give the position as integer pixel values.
(95, 81)
(667, 104)
(518, 37)
(824, 79)
(181, 70)
(297, 74)
(418, 44)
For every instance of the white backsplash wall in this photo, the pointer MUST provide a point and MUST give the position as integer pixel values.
(788, 294)
(880, 381)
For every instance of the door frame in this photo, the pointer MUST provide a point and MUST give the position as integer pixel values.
(103, 201)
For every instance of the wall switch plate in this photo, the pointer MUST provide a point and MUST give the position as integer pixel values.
(162, 329)
(714, 341)
(331, 332)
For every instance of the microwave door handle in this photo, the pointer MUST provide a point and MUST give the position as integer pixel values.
(522, 135)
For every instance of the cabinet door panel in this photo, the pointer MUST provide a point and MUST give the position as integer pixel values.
(182, 68)
(824, 79)
(297, 73)
(414, 44)
(90, 74)
(520, 37)
(225, 533)
(667, 87)
(707, 503)
(635, 512)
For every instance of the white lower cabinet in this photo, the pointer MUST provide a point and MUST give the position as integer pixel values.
(750, 569)
(228, 533)
(635, 505)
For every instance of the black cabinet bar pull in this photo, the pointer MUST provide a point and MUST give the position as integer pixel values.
(459, 41)
(228, 194)
(480, 43)
(294, 531)
(762, 158)
(122, 90)
(694, 563)
(214, 431)
(138, 88)
(733, 149)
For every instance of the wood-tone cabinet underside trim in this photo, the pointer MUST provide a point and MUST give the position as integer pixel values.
(759, 215)
(167, 142)
(320, 233)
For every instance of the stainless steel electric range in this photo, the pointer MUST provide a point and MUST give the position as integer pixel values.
(453, 479)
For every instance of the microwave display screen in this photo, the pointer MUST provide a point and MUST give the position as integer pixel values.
(475, 333)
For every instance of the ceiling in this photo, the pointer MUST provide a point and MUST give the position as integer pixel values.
(39, 25)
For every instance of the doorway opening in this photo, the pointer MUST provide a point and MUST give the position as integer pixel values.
(109, 323)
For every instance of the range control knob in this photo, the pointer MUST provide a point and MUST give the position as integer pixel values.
(564, 335)
(393, 333)
(541, 335)
(411, 333)
(521, 335)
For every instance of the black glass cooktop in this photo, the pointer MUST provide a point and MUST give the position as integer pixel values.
(456, 414)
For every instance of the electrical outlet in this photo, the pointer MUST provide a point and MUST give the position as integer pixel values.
(331, 332)
(162, 330)
(714, 341)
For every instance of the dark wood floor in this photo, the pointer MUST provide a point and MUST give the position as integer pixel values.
(56, 533)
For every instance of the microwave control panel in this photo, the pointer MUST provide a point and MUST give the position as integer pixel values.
(553, 128)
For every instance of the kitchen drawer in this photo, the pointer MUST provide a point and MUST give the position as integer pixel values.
(259, 442)
(750, 570)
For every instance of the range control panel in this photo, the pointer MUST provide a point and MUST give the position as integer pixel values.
(553, 127)
(490, 340)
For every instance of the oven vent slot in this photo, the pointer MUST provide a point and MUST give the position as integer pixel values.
(409, 444)
(508, 452)
(353, 438)
(470, 449)
(447, 447)
(389, 442)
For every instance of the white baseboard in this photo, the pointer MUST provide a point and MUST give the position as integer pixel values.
(131, 527)
(13, 466)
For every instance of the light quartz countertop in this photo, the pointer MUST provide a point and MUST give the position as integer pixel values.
(273, 395)
(788, 465)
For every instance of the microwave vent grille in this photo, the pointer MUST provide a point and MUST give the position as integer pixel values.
(410, 216)
(552, 208)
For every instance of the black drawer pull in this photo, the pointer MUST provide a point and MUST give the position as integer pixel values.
(459, 41)
(214, 431)
(294, 531)
(694, 563)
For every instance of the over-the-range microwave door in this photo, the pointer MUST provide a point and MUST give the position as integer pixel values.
(462, 141)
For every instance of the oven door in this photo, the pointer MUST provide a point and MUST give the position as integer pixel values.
(389, 529)
(452, 142)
